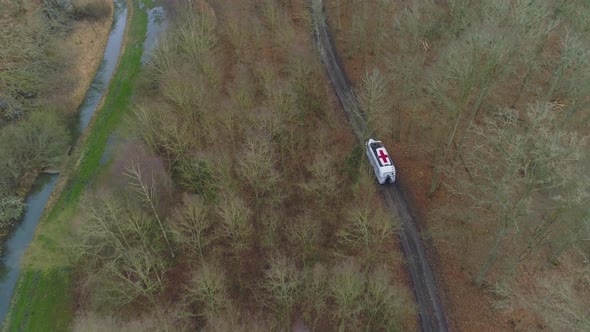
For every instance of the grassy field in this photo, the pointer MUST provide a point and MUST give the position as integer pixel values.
(43, 301)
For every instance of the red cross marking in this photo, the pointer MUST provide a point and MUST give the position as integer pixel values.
(383, 156)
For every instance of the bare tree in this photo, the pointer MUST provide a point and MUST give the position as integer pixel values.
(162, 318)
(573, 57)
(196, 36)
(347, 285)
(272, 13)
(315, 293)
(33, 144)
(462, 85)
(192, 225)
(163, 58)
(207, 292)
(575, 233)
(235, 220)
(380, 32)
(374, 101)
(367, 230)
(323, 185)
(560, 303)
(282, 281)
(531, 26)
(530, 163)
(137, 273)
(257, 166)
(121, 252)
(163, 132)
(270, 222)
(385, 305)
(145, 187)
(462, 14)
(359, 28)
(304, 234)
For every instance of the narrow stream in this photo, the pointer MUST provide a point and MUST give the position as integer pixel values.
(107, 67)
(37, 198)
(21, 237)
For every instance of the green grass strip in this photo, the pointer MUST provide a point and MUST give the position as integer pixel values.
(43, 297)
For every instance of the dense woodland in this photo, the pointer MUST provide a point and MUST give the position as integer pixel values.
(240, 198)
(34, 76)
(494, 96)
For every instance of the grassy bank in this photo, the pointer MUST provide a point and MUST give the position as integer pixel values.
(43, 298)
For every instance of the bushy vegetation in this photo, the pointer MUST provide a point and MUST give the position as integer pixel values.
(91, 9)
(36, 143)
(24, 64)
(257, 230)
(33, 136)
(33, 144)
(492, 95)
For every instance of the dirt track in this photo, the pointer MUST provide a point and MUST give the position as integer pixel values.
(432, 315)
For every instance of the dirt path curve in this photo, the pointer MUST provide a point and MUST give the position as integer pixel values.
(431, 312)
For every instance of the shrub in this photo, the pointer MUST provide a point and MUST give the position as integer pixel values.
(9, 173)
(196, 175)
(11, 208)
(92, 9)
(36, 143)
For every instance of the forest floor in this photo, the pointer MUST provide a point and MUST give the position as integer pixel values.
(468, 307)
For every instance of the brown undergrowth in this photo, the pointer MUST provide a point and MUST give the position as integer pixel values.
(407, 50)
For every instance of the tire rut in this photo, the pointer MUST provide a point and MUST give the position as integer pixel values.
(432, 317)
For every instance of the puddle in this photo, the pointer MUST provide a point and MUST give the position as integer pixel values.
(109, 149)
(157, 23)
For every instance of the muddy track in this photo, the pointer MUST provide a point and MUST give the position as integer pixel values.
(432, 317)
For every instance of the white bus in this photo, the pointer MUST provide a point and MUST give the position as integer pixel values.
(381, 162)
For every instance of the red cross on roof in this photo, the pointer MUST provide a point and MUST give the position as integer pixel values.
(383, 156)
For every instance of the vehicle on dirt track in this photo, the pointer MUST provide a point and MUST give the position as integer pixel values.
(381, 162)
